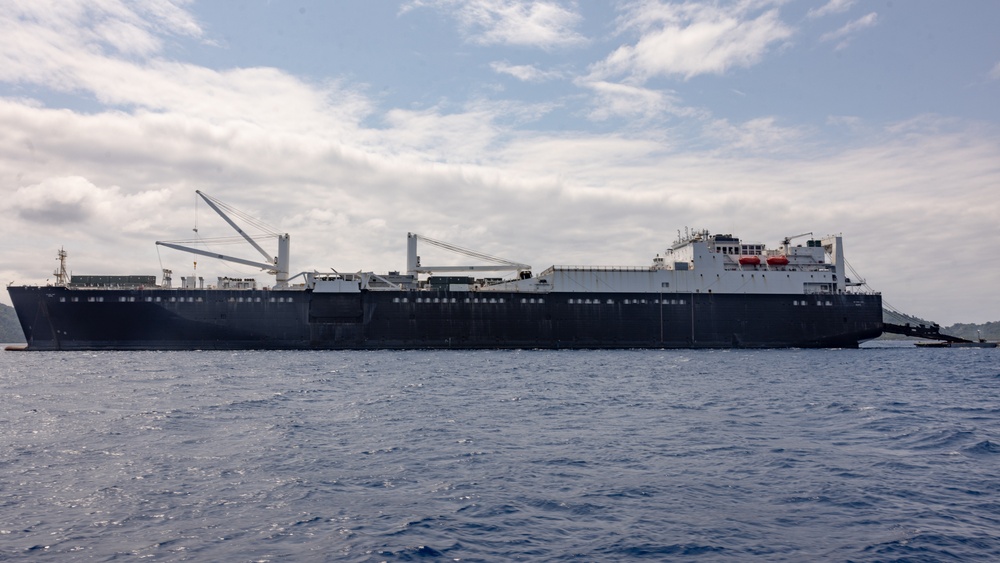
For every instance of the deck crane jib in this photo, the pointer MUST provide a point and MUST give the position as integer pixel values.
(495, 264)
(275, 265)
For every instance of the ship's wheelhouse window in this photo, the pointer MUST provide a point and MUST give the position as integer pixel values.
(665, 284)
(62, 299)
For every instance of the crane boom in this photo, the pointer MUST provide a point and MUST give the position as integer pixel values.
(277, 265)
(261, 265)
(211, 203)
(788, 240)
(413, 266)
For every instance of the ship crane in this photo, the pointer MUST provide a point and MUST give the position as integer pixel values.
(787, 240)
(275, 265)
(413, 266)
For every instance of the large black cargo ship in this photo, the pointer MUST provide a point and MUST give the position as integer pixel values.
(61, 318)
(706, 291)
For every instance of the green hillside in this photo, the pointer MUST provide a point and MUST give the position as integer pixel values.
(990, 331)
(10, 330)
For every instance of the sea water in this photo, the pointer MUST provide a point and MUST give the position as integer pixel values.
(885, 453)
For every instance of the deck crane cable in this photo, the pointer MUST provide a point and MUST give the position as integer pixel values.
(885, 304)
(227, 240)
(249, 219)
(469, 253)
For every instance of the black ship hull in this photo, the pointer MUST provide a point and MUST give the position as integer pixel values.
(59, 318)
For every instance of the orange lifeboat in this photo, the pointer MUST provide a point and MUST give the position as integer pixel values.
(777, 261)
(749, 261)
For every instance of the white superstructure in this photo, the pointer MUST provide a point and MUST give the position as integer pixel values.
(704, 263)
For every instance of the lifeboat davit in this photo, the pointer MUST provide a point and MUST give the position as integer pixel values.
(749, 261)
(777, 261)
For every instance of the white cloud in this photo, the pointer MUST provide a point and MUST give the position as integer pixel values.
(71, 201)
(512, 22)
(624, 100)
(525, 73)
(693, 38)
(847, 30)
(831, 7)
(995, 73)
(130, 28)
(61, 52)
(756, 136)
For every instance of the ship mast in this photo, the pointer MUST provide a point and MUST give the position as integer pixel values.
(275, 265)
(62, 278)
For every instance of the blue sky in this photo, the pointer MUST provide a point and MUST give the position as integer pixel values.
(546, 132)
